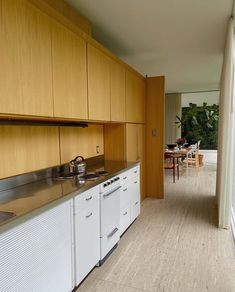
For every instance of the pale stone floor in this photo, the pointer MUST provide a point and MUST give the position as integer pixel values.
(174, 246)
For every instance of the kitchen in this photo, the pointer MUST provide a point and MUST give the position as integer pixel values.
(62, 95)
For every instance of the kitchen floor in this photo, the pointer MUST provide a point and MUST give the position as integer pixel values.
(174, 246)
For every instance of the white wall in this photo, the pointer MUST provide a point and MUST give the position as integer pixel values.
(210, 98)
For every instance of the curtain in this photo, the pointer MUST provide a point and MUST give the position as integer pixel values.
(225, 166)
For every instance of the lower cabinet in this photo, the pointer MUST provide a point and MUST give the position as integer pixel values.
(87, 233)
(130, 197)
(37, 255)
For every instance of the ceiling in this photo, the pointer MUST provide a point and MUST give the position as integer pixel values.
(181, 39)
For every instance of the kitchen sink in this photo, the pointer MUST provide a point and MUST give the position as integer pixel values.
(6, 215)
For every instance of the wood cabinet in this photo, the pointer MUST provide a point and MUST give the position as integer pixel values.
(69, 73)
(26, 69)
(98, 84)
(87, 232)
(118, 100)
(135, 149)
(36, 255)
(135, 98)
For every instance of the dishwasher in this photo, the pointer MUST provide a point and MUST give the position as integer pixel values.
(109, 216)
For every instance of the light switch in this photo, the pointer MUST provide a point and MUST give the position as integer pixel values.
(154, 132)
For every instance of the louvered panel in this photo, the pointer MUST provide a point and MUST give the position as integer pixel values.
(36, 256)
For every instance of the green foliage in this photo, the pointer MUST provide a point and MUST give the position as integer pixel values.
(200, 123)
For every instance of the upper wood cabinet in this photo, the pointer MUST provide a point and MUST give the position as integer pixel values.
(98, 84)
(69, 73)
(26, 69)
(118, 100)
(135, 98)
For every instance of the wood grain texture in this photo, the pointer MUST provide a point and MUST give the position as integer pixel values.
(36, 62)
(98, 84)
(28, 148)
(66, 14)
(141, 155)
(115, 142)
(155, 144)
(173, 246)
(69, 73)
(81, 141)
(118, 95)
(135, 151)
(135, 98)
(11, 95)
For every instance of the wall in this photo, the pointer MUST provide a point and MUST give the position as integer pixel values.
(199, 97)
(172, 108)
(29, 148)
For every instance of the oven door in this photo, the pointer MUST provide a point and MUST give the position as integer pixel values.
(109, 210)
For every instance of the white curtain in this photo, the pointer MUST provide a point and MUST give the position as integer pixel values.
(226, 145)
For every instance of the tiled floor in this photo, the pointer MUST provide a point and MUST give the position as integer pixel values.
(174, 246)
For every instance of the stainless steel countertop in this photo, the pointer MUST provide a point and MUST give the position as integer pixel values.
(40, 195)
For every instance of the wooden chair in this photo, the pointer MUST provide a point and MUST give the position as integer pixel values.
(171, 161)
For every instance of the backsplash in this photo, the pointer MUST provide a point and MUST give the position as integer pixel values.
(29, 148)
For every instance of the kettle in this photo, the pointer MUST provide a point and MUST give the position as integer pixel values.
(77, 165)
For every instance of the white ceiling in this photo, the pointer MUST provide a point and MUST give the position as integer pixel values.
(181, 39)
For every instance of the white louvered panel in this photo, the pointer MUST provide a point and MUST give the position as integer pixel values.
(37, 256)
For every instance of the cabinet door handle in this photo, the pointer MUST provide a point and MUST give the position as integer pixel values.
(112, 233)
(124, 177)
(88, 199)
(135, 171)
(136, 203)
(112, 191)
(125, 190)
(88, 216)
(136, 182)
(125, 214)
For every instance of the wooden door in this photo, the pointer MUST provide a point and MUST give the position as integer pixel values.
(69, 73)
(135, 150)
(131, 142)
(135, 98)
(36, 62)
(25, 48)
(117, 92)
(98, 84)
(141, 156)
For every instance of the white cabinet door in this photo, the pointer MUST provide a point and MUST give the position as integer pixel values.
(87, 238)
(125, 218)
(135, 197)
(37, 254)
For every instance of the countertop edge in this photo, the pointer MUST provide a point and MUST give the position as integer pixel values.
(14, 221)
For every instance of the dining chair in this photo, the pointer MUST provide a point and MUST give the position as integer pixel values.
(171, 161)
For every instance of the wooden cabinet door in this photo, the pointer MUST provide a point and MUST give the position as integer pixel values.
(131, 142)
(118, 99)
(141, 156)
(135, 150)
(69, 73)
(135, 98)
(98, 84)
(26, 69)
(36, 62)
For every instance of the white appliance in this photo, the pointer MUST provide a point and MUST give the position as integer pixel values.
(109, 216)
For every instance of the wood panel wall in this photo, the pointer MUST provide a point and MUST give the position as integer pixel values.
(28, 148)
(79, 141)
(155, 92)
